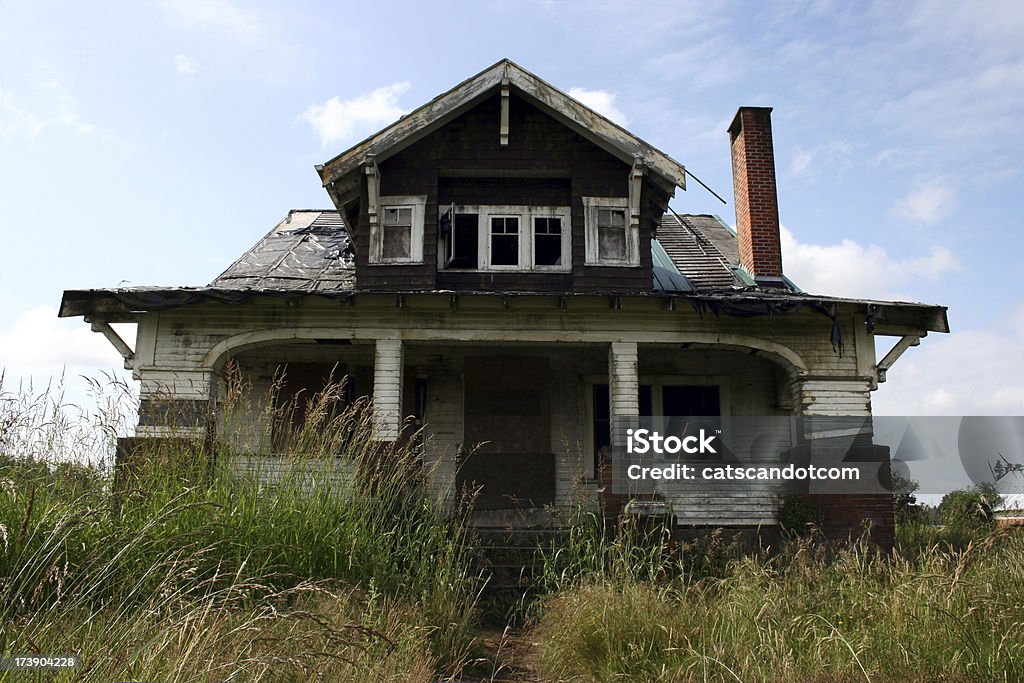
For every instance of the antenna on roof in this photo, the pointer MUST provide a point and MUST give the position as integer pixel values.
(701, 183)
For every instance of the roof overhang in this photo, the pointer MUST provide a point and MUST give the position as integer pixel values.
(887, 317)
(434, 114)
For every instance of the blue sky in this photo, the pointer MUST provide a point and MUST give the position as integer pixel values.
(150, 143)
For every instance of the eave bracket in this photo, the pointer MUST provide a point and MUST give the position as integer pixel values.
(115, 340)
(905, 342)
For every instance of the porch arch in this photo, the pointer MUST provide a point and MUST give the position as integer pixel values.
(780, 353)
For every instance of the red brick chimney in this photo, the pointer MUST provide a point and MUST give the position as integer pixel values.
(757, 205)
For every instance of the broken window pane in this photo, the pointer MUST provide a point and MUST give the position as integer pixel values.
(504, 241)
(397, 242)
(611, 234)
(547, 241)
(396, 233)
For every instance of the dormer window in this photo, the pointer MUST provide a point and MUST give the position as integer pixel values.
(548, 249)
(397, 237)
(522, 238)
(504, 241)
(611, 240)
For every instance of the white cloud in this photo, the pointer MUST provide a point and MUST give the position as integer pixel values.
(835, 156)
(852, 269)
(42, 345)
(801, 160)
(220, 17)
(185, 66)
(972, 372)
(601, 101)
(338, 120)
(17, 121)
(927, 203)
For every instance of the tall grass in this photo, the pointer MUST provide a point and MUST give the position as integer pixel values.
(329, 561)
(801, 615)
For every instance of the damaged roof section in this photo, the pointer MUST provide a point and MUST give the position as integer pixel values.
(308, 251)
(704, 250)
(694, 257)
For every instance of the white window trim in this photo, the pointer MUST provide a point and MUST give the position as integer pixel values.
(418, 205)
(525, 214)
(593, 257)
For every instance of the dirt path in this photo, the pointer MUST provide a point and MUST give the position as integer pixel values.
(509, 652)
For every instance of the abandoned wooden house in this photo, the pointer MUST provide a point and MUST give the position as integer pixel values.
(503, 265)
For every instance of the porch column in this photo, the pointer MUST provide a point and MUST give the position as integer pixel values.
(623, 388)
(387, 389)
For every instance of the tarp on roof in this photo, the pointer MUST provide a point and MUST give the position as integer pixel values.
(308, 251)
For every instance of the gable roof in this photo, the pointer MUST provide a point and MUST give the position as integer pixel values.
(582, 119)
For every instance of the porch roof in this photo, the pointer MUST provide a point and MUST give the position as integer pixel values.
(117, 304)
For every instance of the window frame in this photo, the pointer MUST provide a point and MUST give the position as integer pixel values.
(418, 205)
(487, 246)
(527, 236)
(565, 238)
(592, 207)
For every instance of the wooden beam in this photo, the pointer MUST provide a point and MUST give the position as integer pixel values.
(503, 132)
(115, 339)
(372, 188)
(636, 181)
(894, 354)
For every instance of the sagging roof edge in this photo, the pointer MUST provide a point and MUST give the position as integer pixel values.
(883, 315)
(581, 118)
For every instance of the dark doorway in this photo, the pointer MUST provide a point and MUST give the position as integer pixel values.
(507, 432)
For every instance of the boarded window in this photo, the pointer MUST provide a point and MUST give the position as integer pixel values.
(547, 241)
(397, 233)
(504, 240)
(611, 234)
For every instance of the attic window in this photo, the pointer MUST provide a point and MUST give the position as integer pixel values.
(611, 240)
(398, 235)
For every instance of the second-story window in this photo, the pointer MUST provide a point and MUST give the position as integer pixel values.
(610, 239)
(396, 241)
(611, 234)
(397, 236)
(526, 238)
(547, 241)
(504, 241)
